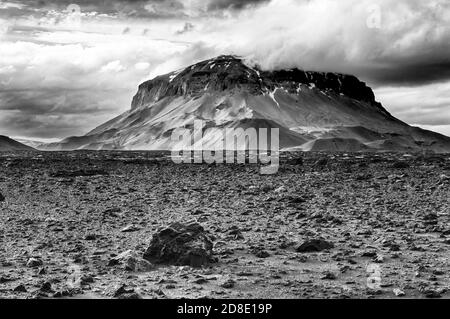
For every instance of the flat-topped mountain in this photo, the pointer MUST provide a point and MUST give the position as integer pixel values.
(315, 111)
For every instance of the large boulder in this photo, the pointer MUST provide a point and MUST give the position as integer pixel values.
(181, 244)
(314, 245)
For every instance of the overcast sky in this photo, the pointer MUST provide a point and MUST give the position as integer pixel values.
(66, 67)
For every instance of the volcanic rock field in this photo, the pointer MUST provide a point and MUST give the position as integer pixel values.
(136, 225)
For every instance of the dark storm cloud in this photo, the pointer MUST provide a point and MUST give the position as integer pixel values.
(410, 45)
(132, 8)
(52, 113)
(50, 101)
(408, 74)
(234, 4)
(112, 7)
(44, 126)
(394, 72)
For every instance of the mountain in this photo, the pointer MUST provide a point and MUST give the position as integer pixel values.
(7, 144)
(314, 111)
(31, 143)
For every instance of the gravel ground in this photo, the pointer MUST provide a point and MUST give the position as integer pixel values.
(336, 226)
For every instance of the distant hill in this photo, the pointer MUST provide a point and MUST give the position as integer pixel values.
(8, 144)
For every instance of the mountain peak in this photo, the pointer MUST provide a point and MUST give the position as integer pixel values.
(221, 73)
(229, 72)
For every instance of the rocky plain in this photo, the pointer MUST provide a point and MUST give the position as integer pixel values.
(136, 225)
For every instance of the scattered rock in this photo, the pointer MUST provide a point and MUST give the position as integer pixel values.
(398, 292)
(444, 178)
(431, 217)
(123, 293)
(379, 259)
(314, 245)
(235, 233)
(86, 280)
(321, 163)
(67, 293)
(34, 263)
(130, 229)
(228, 284)
(90, 237)
(4, 279)
(297, 161)
(280, 189)
(46, 287)
(267, 188)
(20, 288)
(329, 276)
(432, 293)
(112, 212)
(301, 215)
(369, 253)
(438, 272)
(198, 212)
(260, 253)
(392, 245)
(400, 165)
(42, 271)
(374, 291)
(131, 261)
(200, 281)
(181, 244)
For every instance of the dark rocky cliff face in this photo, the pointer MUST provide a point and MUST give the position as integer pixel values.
(231, 73)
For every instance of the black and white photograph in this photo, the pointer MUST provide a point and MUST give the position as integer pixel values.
(242, 151)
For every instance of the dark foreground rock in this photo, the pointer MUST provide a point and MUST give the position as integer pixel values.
(296, 161)
(180, 244)
(123, 292)
(315, 245)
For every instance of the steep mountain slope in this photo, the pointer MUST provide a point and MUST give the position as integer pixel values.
(8, 144)
(313, 110)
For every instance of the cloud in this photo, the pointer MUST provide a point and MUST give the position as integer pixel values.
(186, 28)
(410, 47)
(442, 129)
(404, 42)
(234, 4)
(50, 114)
(423, 105)
(114, 66)
(133, 8)
(49, 91)
(142, 66)
(9, 5)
